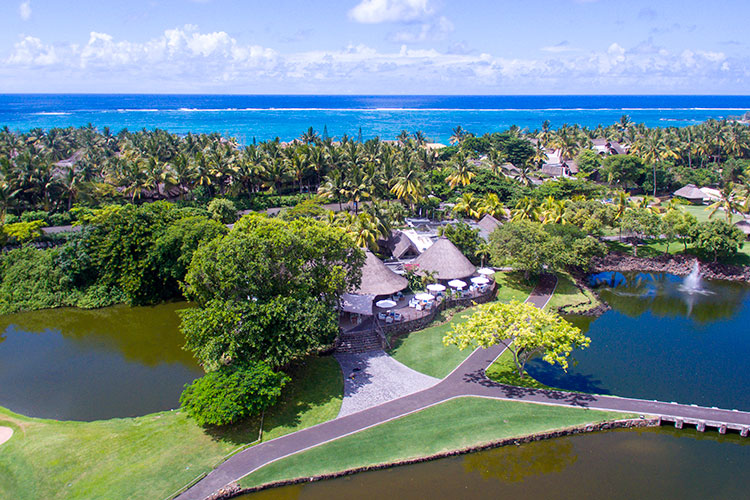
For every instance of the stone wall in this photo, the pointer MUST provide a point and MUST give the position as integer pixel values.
(673, 264)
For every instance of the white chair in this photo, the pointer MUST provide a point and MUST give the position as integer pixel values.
(397, 317)
(389, 319)
(381, 316)
(428, 306)
(419, 307)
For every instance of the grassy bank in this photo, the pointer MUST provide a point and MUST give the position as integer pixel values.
(150, 456)
(424, 351)
(456, 424)
(569, 295)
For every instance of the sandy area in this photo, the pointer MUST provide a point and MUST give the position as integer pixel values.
(5, 434)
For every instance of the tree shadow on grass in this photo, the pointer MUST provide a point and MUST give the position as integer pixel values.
(316, 381)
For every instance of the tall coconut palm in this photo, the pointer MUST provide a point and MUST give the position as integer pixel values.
(468, 206)
(731, 202)
(462, 172)
(526, 209)
(408, 186)
(491, 205)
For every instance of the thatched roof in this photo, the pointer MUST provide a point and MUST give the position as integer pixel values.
(487, 225)
(690, 192)
(444, 259)
(378, 279)
(401, 245)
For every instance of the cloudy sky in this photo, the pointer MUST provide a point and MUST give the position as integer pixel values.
(376, 46)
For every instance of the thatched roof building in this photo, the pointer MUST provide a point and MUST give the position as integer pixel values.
(487, 225)
(445, 260)
(378, 279)
(401, 246)
(691, 193)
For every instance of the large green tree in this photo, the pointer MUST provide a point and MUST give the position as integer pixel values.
(525, 330)
(268, 290)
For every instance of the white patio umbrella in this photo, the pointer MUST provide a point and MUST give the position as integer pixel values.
(486, 271)
(456, 284)
(480, 280)
(436, 287)
(424, 296)
(385, 304)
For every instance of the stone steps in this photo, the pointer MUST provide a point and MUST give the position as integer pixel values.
(359, 343)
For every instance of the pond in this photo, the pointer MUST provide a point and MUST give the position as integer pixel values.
(663, 339)
(653, 463)
(74, 364)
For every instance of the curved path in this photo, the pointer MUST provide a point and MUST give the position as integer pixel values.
(468, 379)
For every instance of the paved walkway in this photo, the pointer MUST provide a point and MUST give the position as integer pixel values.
(466, 380)
(374, 378)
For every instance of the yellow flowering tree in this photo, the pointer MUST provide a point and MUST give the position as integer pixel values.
(525, 330)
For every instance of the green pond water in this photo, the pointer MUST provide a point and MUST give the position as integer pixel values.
(663, 340)
(74, 364)
(657, 464)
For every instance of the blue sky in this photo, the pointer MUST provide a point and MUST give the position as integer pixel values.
(375, 46)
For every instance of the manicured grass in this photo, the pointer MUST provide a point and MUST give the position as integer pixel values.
(424, 351)
(150, 456)
(700, 213)
(504, 370)
(456, 424)
(313, 396)
(568, 294)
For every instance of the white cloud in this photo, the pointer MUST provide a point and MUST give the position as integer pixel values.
(388, 11)
(185, 58)
(428, 31)
(24, 10)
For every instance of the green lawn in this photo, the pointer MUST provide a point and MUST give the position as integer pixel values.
(700, 213)
(568, 294)
(424, 351)
(150, 456)
(504, 370)
(456, 424)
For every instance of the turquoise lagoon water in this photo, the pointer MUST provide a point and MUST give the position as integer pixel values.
(287, 116)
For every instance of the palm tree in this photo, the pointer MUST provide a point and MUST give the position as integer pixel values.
(333, 187)
(458, 136)
(526, 209)
(408, 186)
(483, 252)
(462, 173)
(731, 202)
(553, 211)
(654, 149)
(492, 205)
(468, 206)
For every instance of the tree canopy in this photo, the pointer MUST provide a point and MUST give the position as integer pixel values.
(523, 329)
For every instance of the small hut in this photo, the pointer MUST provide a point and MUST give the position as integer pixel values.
(487, 225)
(377, 279)
(401, 246)
(445, 260)
(692, 194)
(744, 226)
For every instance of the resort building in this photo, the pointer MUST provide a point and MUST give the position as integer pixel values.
(445, 261)
(692, 193)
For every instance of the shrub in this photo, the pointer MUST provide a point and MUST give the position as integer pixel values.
(34, 215)
(232, 393)
(222, 210)
(21, 232)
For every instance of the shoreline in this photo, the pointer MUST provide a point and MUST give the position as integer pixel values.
(633, 423)
(680, 265)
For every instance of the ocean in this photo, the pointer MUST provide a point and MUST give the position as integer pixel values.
(263, 117)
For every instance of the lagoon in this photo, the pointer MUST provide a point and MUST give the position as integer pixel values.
(74, 364)
(661, 342)
(654, 463)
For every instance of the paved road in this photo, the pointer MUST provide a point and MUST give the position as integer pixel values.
(466, 380)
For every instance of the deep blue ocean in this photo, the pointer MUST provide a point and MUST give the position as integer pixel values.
(286, 116)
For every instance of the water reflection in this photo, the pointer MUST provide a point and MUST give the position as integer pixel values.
(86, 365)
(666, 295)
(661, 342)
(646, 464)
(514, 464)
